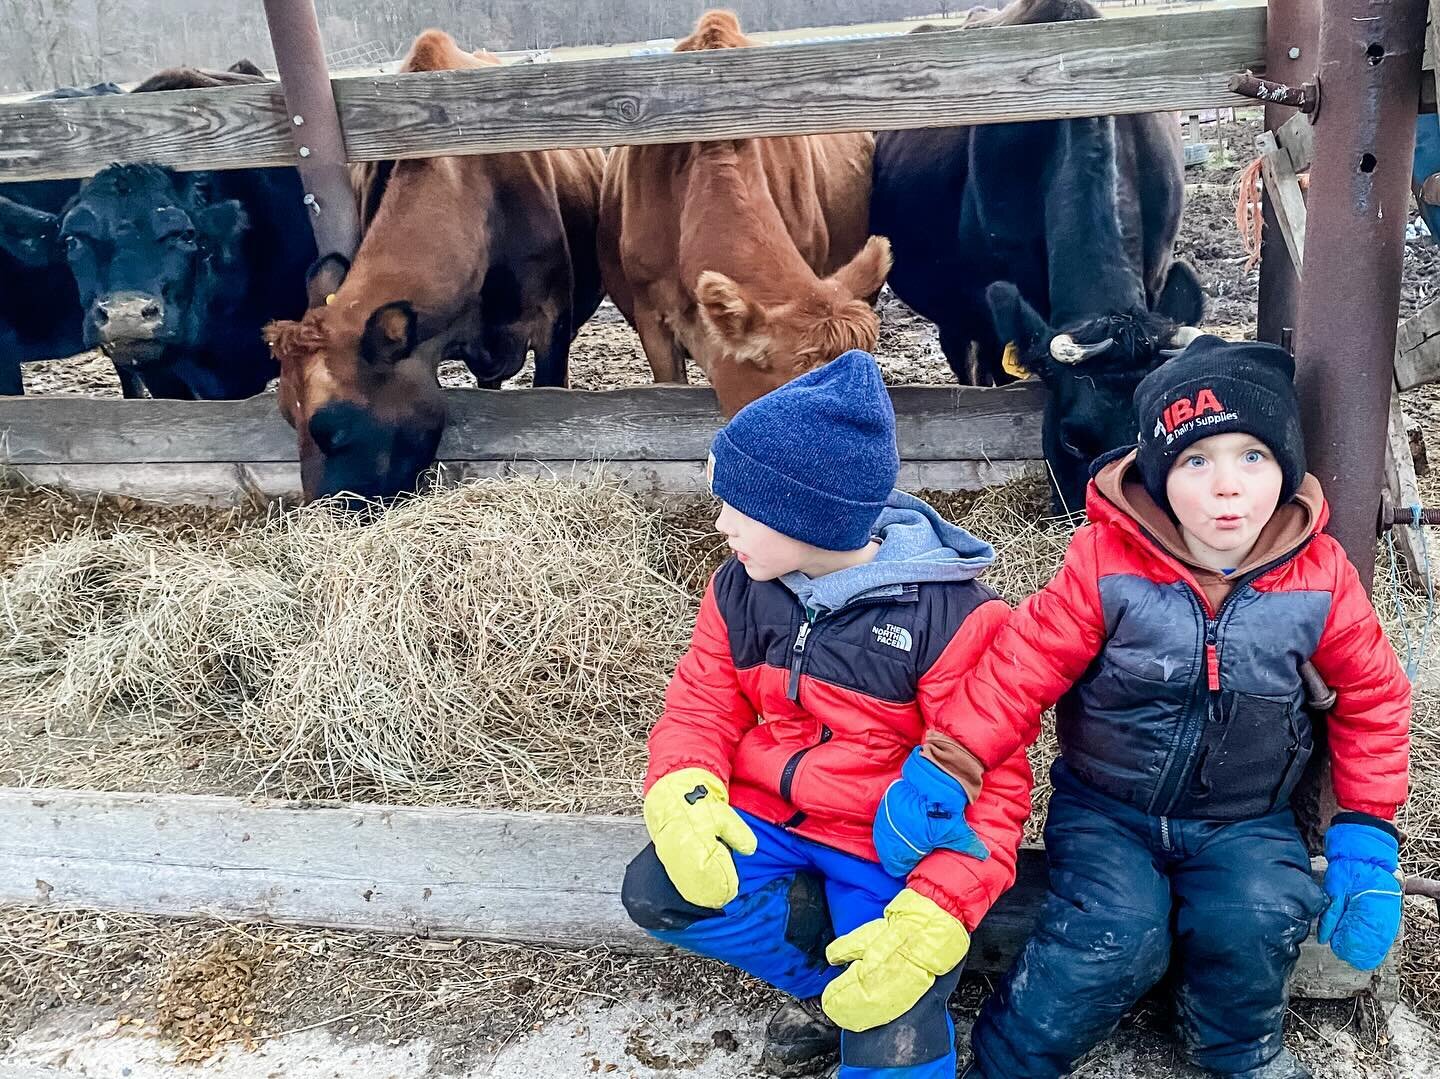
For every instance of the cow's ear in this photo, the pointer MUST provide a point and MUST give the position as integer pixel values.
(1182, 300)
(324, 278)
(1015, 320)
(391, 334)
(222, 224)
(31, 237)
(729, 313)
(864, 275)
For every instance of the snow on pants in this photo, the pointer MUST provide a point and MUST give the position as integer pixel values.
(795, 898)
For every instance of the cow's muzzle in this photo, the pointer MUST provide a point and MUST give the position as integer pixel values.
(128, 316)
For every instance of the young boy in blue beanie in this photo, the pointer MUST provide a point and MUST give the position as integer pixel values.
(796, 774)
(1173, 642)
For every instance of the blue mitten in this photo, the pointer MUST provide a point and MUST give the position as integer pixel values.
(1363, 916)
(922, 810)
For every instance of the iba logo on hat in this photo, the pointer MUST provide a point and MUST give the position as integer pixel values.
(1188, 410)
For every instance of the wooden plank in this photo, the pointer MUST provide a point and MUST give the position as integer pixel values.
(1283, 188)
(648, 423)
(1417, 348)
(503, 876)
(994, 75)
(1405, 490)
(233, 484)
(1296, 137)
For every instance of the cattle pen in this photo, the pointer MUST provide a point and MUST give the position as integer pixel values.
(181, 854)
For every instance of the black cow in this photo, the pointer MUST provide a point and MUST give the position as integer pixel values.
(178, 272)
(171, 274)
(39, 306)
(1057, 237)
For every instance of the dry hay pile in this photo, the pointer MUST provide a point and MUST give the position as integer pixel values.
(502, 643)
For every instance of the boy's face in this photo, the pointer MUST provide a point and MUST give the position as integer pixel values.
(765, 553)
(1224, 490)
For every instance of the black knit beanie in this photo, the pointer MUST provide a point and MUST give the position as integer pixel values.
(1212, 388)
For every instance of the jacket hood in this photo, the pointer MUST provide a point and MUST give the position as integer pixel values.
(917, 546)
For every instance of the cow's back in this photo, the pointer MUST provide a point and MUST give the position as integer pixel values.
(820, 184)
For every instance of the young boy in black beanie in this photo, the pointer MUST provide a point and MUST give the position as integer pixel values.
(1172, 640)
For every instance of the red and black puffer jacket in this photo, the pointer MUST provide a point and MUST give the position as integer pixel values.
(808, 722)
(1183, 707)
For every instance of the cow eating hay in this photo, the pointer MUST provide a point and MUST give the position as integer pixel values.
(505, 643)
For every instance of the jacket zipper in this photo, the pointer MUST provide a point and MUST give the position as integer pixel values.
(797, 659)
(1195, 719)
(797, 667)
(787, 777)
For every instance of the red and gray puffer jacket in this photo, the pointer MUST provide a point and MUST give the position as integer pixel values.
(1179, 689)
(808, 715)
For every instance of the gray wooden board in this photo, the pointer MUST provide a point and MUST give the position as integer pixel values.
(651, 423)
(1417, 348)
(231, 484)
(1000, 74)
(503, 876)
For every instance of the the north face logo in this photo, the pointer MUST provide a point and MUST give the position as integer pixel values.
(1185, 410)
(894, 636)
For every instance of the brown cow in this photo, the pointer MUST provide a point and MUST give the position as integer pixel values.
(481, 258)
(714, 251)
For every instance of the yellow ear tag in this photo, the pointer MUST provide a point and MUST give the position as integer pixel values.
(329, 299)
(1010, 362)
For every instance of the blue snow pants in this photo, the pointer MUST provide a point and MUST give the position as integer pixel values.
(795, 897)
(1227, 902)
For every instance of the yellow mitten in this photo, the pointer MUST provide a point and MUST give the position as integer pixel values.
(694, 830)
(893, 961)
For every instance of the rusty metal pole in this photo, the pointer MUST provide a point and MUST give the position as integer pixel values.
(1369, 75)
(1358, 204)
(1292, 33)
(315, 125)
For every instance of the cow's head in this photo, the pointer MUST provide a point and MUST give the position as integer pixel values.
(1090, 368)
(155, 256)
(368, 412)
(754, 346)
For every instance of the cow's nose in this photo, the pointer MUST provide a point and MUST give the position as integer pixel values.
(129, 317)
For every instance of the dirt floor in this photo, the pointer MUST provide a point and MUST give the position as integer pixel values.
(130, 997)
(118, 995)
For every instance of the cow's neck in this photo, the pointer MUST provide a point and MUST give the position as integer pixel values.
(730, 223)
(429, 243)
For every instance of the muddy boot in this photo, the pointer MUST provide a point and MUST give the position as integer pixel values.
(800, 1039)
(1282, 1065)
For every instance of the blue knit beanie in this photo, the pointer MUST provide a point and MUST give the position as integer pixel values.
(815, 459)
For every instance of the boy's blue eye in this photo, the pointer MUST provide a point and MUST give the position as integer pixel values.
(1195, 462)
(1254, 457)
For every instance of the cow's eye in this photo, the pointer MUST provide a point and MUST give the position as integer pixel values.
(186, 236)
(73, 243)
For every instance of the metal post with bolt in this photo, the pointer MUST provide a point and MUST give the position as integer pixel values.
(1291, 33)
(315, 125)
(1368, 75)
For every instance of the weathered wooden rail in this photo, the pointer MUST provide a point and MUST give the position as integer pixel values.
(1000, 74)
(503, 876)
(653, 437)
